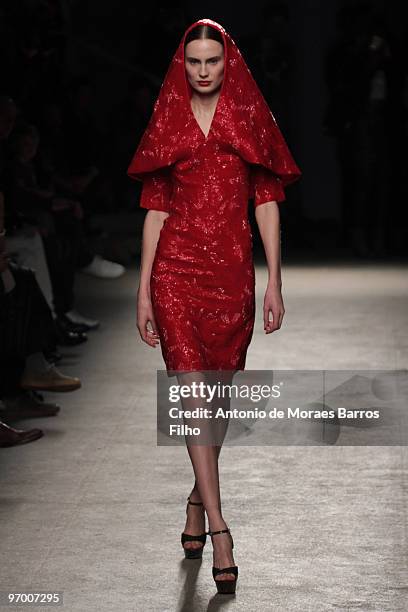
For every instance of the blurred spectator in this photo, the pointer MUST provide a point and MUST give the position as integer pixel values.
(26, 332)
(127, 122)
(86, 149)
(360, 74)
(54, 156)
(23, 240)
(59, 220)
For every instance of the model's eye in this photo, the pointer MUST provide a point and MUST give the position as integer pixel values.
(213, 61)
(193, 61)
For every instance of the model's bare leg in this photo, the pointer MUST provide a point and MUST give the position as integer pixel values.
(195, 520)
(204, 458)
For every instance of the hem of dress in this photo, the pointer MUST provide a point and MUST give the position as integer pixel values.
(171, 372)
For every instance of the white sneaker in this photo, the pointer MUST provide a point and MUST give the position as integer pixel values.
(102, 268)
(76, 317)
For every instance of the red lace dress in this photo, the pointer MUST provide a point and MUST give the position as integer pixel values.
(203, 278)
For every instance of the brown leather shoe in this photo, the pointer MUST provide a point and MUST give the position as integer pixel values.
(26, 405)
(12, 437)
(50, 379)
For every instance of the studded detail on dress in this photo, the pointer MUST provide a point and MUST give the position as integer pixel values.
(203, 278)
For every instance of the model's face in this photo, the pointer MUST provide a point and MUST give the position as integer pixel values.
(204, 62)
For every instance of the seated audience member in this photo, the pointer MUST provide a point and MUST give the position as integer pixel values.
(26, 331)
(59, 219)
(86, 148)
(25, 325)
(23, 239)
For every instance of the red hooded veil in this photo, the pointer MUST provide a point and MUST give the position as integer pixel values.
(242, 119)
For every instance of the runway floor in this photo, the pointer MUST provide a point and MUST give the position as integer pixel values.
(95, 508)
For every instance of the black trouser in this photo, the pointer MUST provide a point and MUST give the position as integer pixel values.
(26, 326)
(66, 249)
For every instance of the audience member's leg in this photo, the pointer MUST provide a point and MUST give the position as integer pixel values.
(85, 253)
(66, 248)
(28, 331)
(27, 249)
(61, 249)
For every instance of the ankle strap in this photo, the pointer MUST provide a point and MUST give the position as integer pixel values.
(194, 503)
(211, 533)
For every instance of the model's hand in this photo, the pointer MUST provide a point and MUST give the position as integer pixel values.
(273, 303)
(144, 316)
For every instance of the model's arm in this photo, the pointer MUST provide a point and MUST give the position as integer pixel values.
(151, 230)
(268, 219)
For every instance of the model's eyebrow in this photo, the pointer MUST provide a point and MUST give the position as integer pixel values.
(215, 57)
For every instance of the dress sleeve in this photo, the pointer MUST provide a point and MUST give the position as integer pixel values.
(157, 190)
(264, 186)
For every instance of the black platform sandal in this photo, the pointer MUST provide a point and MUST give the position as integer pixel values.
(226, 587)
(193, 553)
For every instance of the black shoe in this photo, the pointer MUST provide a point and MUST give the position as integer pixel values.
(193, 553)
(65, 322)
(65, 337)
(11, 437)
(226, 587)
(27, 405)
(52, 356)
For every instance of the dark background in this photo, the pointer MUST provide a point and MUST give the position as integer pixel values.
(121, 50)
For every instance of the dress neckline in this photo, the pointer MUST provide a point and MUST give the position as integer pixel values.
(212, 120)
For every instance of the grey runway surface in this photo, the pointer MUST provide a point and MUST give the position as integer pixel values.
(95, 508)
